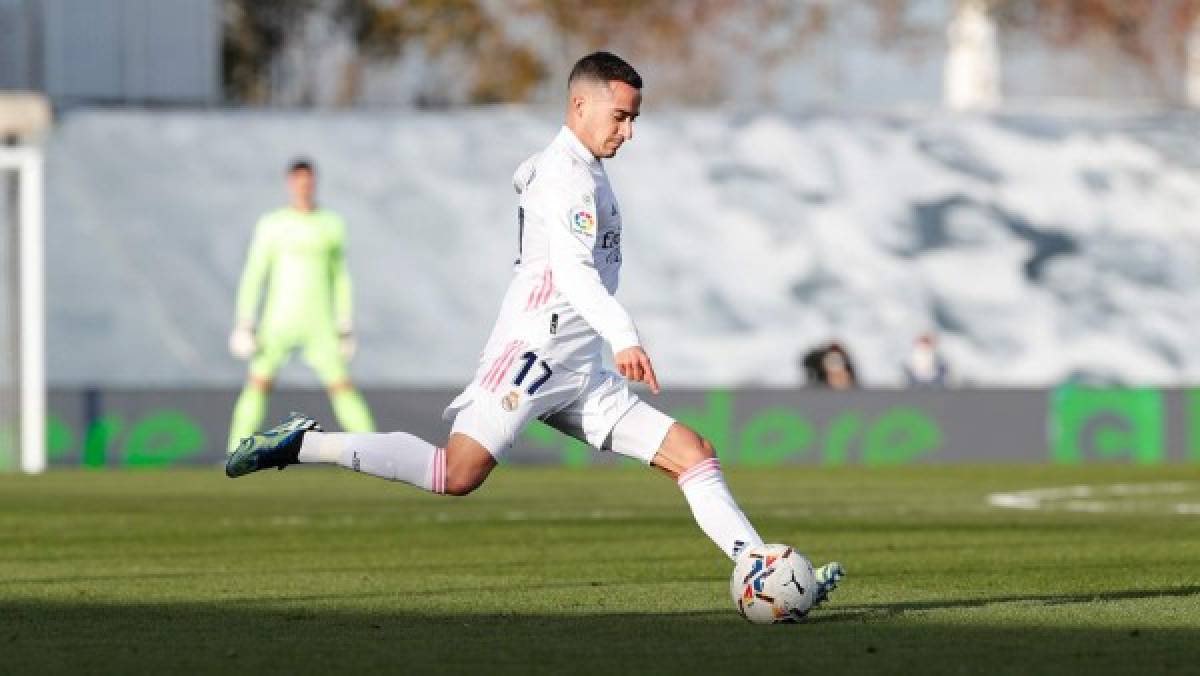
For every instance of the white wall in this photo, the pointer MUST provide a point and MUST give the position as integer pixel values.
(1041, 246)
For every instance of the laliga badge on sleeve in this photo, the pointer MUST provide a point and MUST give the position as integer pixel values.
(583, 222)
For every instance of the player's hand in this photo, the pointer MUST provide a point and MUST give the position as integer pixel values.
(347, 345)
(242, 343)
(634, 364)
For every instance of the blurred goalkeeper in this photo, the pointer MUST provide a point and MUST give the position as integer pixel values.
(299, 253)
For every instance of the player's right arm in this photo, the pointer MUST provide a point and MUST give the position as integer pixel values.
(573, 266)
(258, 264)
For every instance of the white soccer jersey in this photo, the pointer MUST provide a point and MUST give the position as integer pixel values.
(544, 358)
(559, 304)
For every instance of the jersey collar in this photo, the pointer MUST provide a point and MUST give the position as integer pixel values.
(568, 137)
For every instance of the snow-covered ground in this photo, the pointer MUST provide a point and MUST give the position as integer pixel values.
(1042, 247)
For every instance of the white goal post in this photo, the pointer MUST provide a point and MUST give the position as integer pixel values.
(26, 161)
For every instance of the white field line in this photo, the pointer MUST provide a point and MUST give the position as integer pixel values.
(1096, 499)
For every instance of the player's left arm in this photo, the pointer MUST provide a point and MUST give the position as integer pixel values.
(572, 240)
(343, 291)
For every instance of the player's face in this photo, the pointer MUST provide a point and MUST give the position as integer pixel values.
(608, 114)
(302, 186)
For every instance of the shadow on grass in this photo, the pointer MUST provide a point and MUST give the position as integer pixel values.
(272, 637)
(857, 612)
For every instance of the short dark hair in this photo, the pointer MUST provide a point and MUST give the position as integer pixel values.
(605, 67)
(300, 164)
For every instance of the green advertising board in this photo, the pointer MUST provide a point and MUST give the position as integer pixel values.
(752, 427)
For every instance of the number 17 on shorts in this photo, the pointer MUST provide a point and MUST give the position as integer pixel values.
(533, 374)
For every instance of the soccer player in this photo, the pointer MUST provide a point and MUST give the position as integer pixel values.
(299, 253)
(543, 359)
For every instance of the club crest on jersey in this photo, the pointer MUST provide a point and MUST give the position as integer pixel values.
(510, 401)
(583, 222)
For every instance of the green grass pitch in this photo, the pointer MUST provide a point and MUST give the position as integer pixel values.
(590, 571)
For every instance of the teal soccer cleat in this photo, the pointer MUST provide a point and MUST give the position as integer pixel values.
(277, 447)
(828, 577)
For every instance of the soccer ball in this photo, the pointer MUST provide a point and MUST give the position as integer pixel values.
(773, 583)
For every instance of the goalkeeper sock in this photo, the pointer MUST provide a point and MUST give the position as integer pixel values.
(395, 456)
(351, 410)
(715, 509)
(248, 414)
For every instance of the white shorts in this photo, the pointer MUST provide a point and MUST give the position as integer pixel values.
(596, 408)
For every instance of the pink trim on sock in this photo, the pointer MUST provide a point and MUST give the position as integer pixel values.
(437, 471)
(704, 468)
(438, 481)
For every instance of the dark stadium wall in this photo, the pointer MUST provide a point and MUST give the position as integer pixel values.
(130, 428)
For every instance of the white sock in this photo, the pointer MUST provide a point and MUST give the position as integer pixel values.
(396, 456)
(715, 509)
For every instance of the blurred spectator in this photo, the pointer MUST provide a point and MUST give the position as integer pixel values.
(925, 366)
(829, 366)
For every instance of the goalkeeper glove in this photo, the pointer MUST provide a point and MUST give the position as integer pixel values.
(242, 343)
